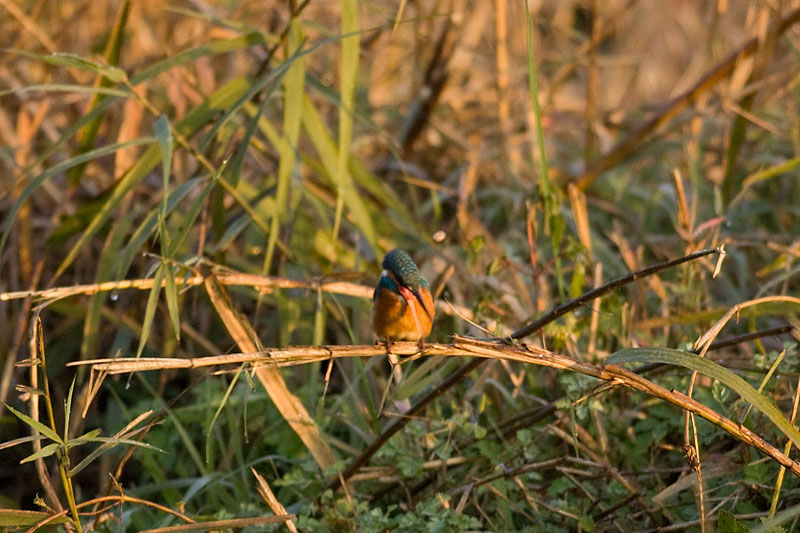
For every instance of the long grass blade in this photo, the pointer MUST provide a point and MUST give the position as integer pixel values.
(293, 84)
(715, 371)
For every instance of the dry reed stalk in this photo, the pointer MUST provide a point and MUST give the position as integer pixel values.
(271, 378)
(614, 375)
(269, 497)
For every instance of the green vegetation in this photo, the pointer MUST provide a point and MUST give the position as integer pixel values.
(203, 192)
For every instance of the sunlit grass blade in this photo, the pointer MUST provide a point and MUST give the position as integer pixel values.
(164, 136)
(323, 143)
(554, 224)
(68, 409)
(68, 88)
(349, 70)
(712, 370)
(294, 88)
(213, 48)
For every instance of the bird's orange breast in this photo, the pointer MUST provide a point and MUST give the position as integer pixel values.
(400, 319)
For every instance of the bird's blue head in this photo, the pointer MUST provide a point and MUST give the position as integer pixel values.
(400, 271)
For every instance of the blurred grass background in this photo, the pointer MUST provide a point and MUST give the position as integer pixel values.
(303, 140)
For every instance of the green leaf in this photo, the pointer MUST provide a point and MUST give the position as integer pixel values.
(150, 310)
(68, 408)
(21, 440)
(213, 48)
(164, 136)
(41, 428)
(88, 135)
(171, 295)
(15, 517)
(727, 523)
(62, 59)
(321, 139)
(109, 443)
(294, 87)
(347, 193)
(715, 371)
(46, 451)
(69, 88)
(89, 436)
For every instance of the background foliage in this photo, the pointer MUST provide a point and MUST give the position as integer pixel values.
(302, 140)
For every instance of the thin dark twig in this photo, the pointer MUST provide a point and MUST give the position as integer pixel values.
(602, 290)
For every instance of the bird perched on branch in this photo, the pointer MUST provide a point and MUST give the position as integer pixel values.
(402, 305)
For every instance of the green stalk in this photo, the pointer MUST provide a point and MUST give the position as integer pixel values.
(545, 188)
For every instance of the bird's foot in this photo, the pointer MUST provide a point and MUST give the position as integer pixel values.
(388, 345)
(421, 346)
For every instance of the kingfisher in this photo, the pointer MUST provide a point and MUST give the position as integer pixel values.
(402, 305)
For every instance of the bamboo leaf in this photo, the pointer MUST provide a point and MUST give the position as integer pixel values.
(45, 451)
(164, 136)
(35, 424)
(347, 192)
(62, 59)
(148, 226)
(21, 440)
(320, 138)
(86, 437)
(213, 48)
